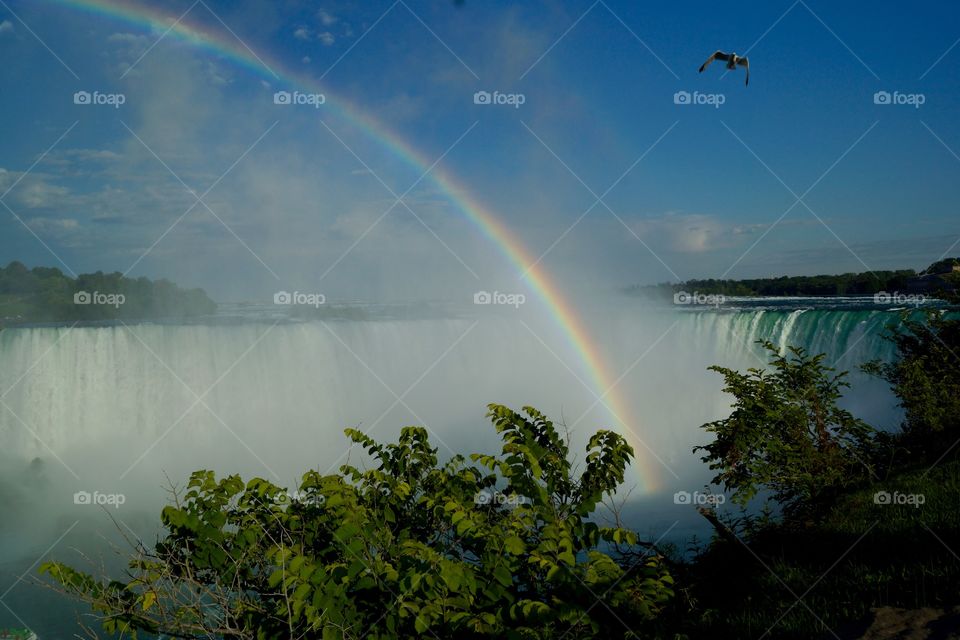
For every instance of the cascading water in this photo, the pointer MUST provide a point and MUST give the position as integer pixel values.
(112, 409)
(272, 399)
(848, 337)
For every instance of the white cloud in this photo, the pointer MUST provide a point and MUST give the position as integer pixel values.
(128, 38)
(306, 33)
(77, 159)
(690, 232)
(52, 224)
(701, 233)
(34, 190)
(6, 26)
(326, 18)
(93, 154)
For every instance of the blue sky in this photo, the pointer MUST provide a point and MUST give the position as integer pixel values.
(598, 82)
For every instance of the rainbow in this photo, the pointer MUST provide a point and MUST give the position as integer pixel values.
(561, 310)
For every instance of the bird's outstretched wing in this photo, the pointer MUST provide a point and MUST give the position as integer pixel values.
(743, 62)
(719, 55)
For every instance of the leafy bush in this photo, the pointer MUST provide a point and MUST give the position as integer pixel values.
(408, 548)
(786, 432)
(925, 377)
(854, 555)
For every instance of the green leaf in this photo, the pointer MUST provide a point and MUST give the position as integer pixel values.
(514, 545)
(421, 624)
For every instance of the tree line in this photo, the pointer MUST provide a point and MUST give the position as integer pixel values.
(46, 294)
(848, 284)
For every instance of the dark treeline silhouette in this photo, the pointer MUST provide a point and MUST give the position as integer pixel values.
(941, 274)
(46, 294)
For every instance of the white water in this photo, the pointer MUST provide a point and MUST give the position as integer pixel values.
(116, 409)
(278, 399)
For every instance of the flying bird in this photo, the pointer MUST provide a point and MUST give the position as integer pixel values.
(732, 61)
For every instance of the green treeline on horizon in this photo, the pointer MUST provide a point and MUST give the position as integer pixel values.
(938, 274)
(46, 294)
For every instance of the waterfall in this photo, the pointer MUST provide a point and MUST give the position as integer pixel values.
(115, 410)
(137, 400)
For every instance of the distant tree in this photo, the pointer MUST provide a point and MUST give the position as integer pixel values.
(17, 279)
(943, 266)
(786, 433)
(409, 548)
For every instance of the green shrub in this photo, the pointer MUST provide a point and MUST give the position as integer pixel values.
(408, 548)
(786, 433)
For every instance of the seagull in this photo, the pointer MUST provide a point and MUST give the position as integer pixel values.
(732, 61)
